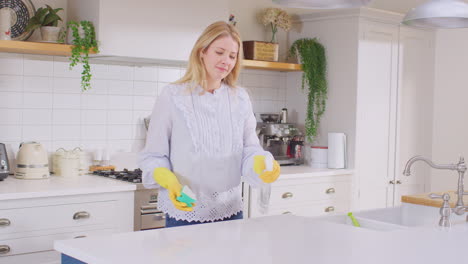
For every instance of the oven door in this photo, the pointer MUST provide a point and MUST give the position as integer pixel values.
(151, 217)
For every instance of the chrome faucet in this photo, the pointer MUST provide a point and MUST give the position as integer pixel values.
(460, 167)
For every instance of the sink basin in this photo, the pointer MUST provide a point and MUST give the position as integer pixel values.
(407, 215)
(363, 222)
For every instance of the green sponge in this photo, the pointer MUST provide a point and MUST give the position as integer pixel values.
(187, 196)
(353, 219)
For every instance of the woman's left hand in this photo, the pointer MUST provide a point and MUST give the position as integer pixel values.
(268, 169)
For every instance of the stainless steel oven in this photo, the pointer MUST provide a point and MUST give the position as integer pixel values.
(147, 214)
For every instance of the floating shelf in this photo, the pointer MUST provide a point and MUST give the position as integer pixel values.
(29, 47)
(271, 66)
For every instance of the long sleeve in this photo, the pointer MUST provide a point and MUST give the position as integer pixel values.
(156, 152)
(252, 148)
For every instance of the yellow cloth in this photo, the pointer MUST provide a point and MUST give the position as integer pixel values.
(259, 168)
(168, 180)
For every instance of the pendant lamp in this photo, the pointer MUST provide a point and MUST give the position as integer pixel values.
(438, 14)
(322, 4)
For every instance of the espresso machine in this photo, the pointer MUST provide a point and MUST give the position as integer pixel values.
(282, 139)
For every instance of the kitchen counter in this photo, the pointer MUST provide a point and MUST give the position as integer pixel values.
(12, 188)
(273, 239)
(423, 199)
(305, 170)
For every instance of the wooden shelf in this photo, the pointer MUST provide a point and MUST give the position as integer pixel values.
(29, 47)
(271, 66)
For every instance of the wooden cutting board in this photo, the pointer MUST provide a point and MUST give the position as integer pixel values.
(423, 199)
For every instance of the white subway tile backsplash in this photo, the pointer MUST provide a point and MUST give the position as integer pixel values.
(145, 74)
(118, 117)
(35, 65)
(37, 116)
(120, 87)
(94, 101)
(168, 75)
(119, 72)
(119, 132)
(67, 101)
(11, 64)
(145, 88)
(11, 83)
(66, 117)
(67, 85)
(120, 102)
(38, 84)
(96, 132)
(37, 132)
(11, 133)
(93, 117)
(143, 102)
(42, 100)
(66, 132)
(10, 116)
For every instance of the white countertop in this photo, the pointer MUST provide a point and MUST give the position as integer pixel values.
(12, 188)
(305, 170)
(273, 239)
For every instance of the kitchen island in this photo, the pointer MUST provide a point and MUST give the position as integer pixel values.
(272, 239)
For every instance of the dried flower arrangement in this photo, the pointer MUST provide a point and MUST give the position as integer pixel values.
(275, 17)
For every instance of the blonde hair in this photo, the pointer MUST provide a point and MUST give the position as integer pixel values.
(196, 72)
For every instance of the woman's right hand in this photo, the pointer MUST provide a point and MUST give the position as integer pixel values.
(168, 180)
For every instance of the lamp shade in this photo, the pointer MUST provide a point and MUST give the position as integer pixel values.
(438, 14)
(322, 4)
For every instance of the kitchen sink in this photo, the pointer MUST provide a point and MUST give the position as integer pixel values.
(363, 222)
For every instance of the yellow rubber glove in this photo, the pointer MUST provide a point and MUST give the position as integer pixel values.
(168, 180)
(260, 166)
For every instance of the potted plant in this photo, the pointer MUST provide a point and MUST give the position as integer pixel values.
(311, 55)
(47, 20)
(84, 41)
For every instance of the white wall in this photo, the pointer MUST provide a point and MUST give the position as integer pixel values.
(450, 128)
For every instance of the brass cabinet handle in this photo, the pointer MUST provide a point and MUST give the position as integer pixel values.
(287, 212)
(4, 222)
(330, 209)
(79, 237)
(398, 182)
(287, 195)
(81, 215)
(330, 190)
(392, 182)
(4, 249)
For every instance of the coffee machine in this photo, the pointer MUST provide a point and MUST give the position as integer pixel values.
(284, 140)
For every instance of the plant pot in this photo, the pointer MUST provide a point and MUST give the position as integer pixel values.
(50, 34)
(259, 50)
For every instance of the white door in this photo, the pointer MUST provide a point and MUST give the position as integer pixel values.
(415, 95)
(376, 114)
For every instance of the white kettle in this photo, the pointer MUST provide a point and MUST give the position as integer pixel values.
(32, 161)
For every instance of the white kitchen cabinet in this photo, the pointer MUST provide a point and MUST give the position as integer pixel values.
(305, 194)
(28, 227)
(148, 29)
(380, 91)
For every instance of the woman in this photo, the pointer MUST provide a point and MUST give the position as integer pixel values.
(202, 135)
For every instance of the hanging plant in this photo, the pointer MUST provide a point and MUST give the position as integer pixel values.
(314, 65)
(83, 43)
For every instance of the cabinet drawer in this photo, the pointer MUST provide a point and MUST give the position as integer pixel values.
(291, 194)
(315, 209)
(42, 243)
(57, 216)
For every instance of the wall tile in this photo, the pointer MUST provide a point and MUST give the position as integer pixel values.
(99, 71)
(67, 85)
(62, 69)
(11, 133)
(94, 101)
(35, 65)
(120, 87)
(251, 80)
(119, 132)
(37, 116)
(118, 72)
(67, 101)
(38, 100)
(120, 102)
(117, 117)
(168, 74)
(96, 132)
(143, 102)
(37, 132)
(66, 117)
(93, 117)
(65, 144)
(10, 116)
(66, 132)
(11, 83)
(97, 87)
(146, 73)
(38, 84)
(11, 64)
(138, 116)
(145, 88)
(139, 131)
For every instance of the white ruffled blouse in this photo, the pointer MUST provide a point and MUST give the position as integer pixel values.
(208, 141)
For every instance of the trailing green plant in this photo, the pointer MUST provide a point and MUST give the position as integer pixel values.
(44, 17)
(314, 65)
(83, 44)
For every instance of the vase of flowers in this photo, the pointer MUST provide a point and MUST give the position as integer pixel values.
(275, 18)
